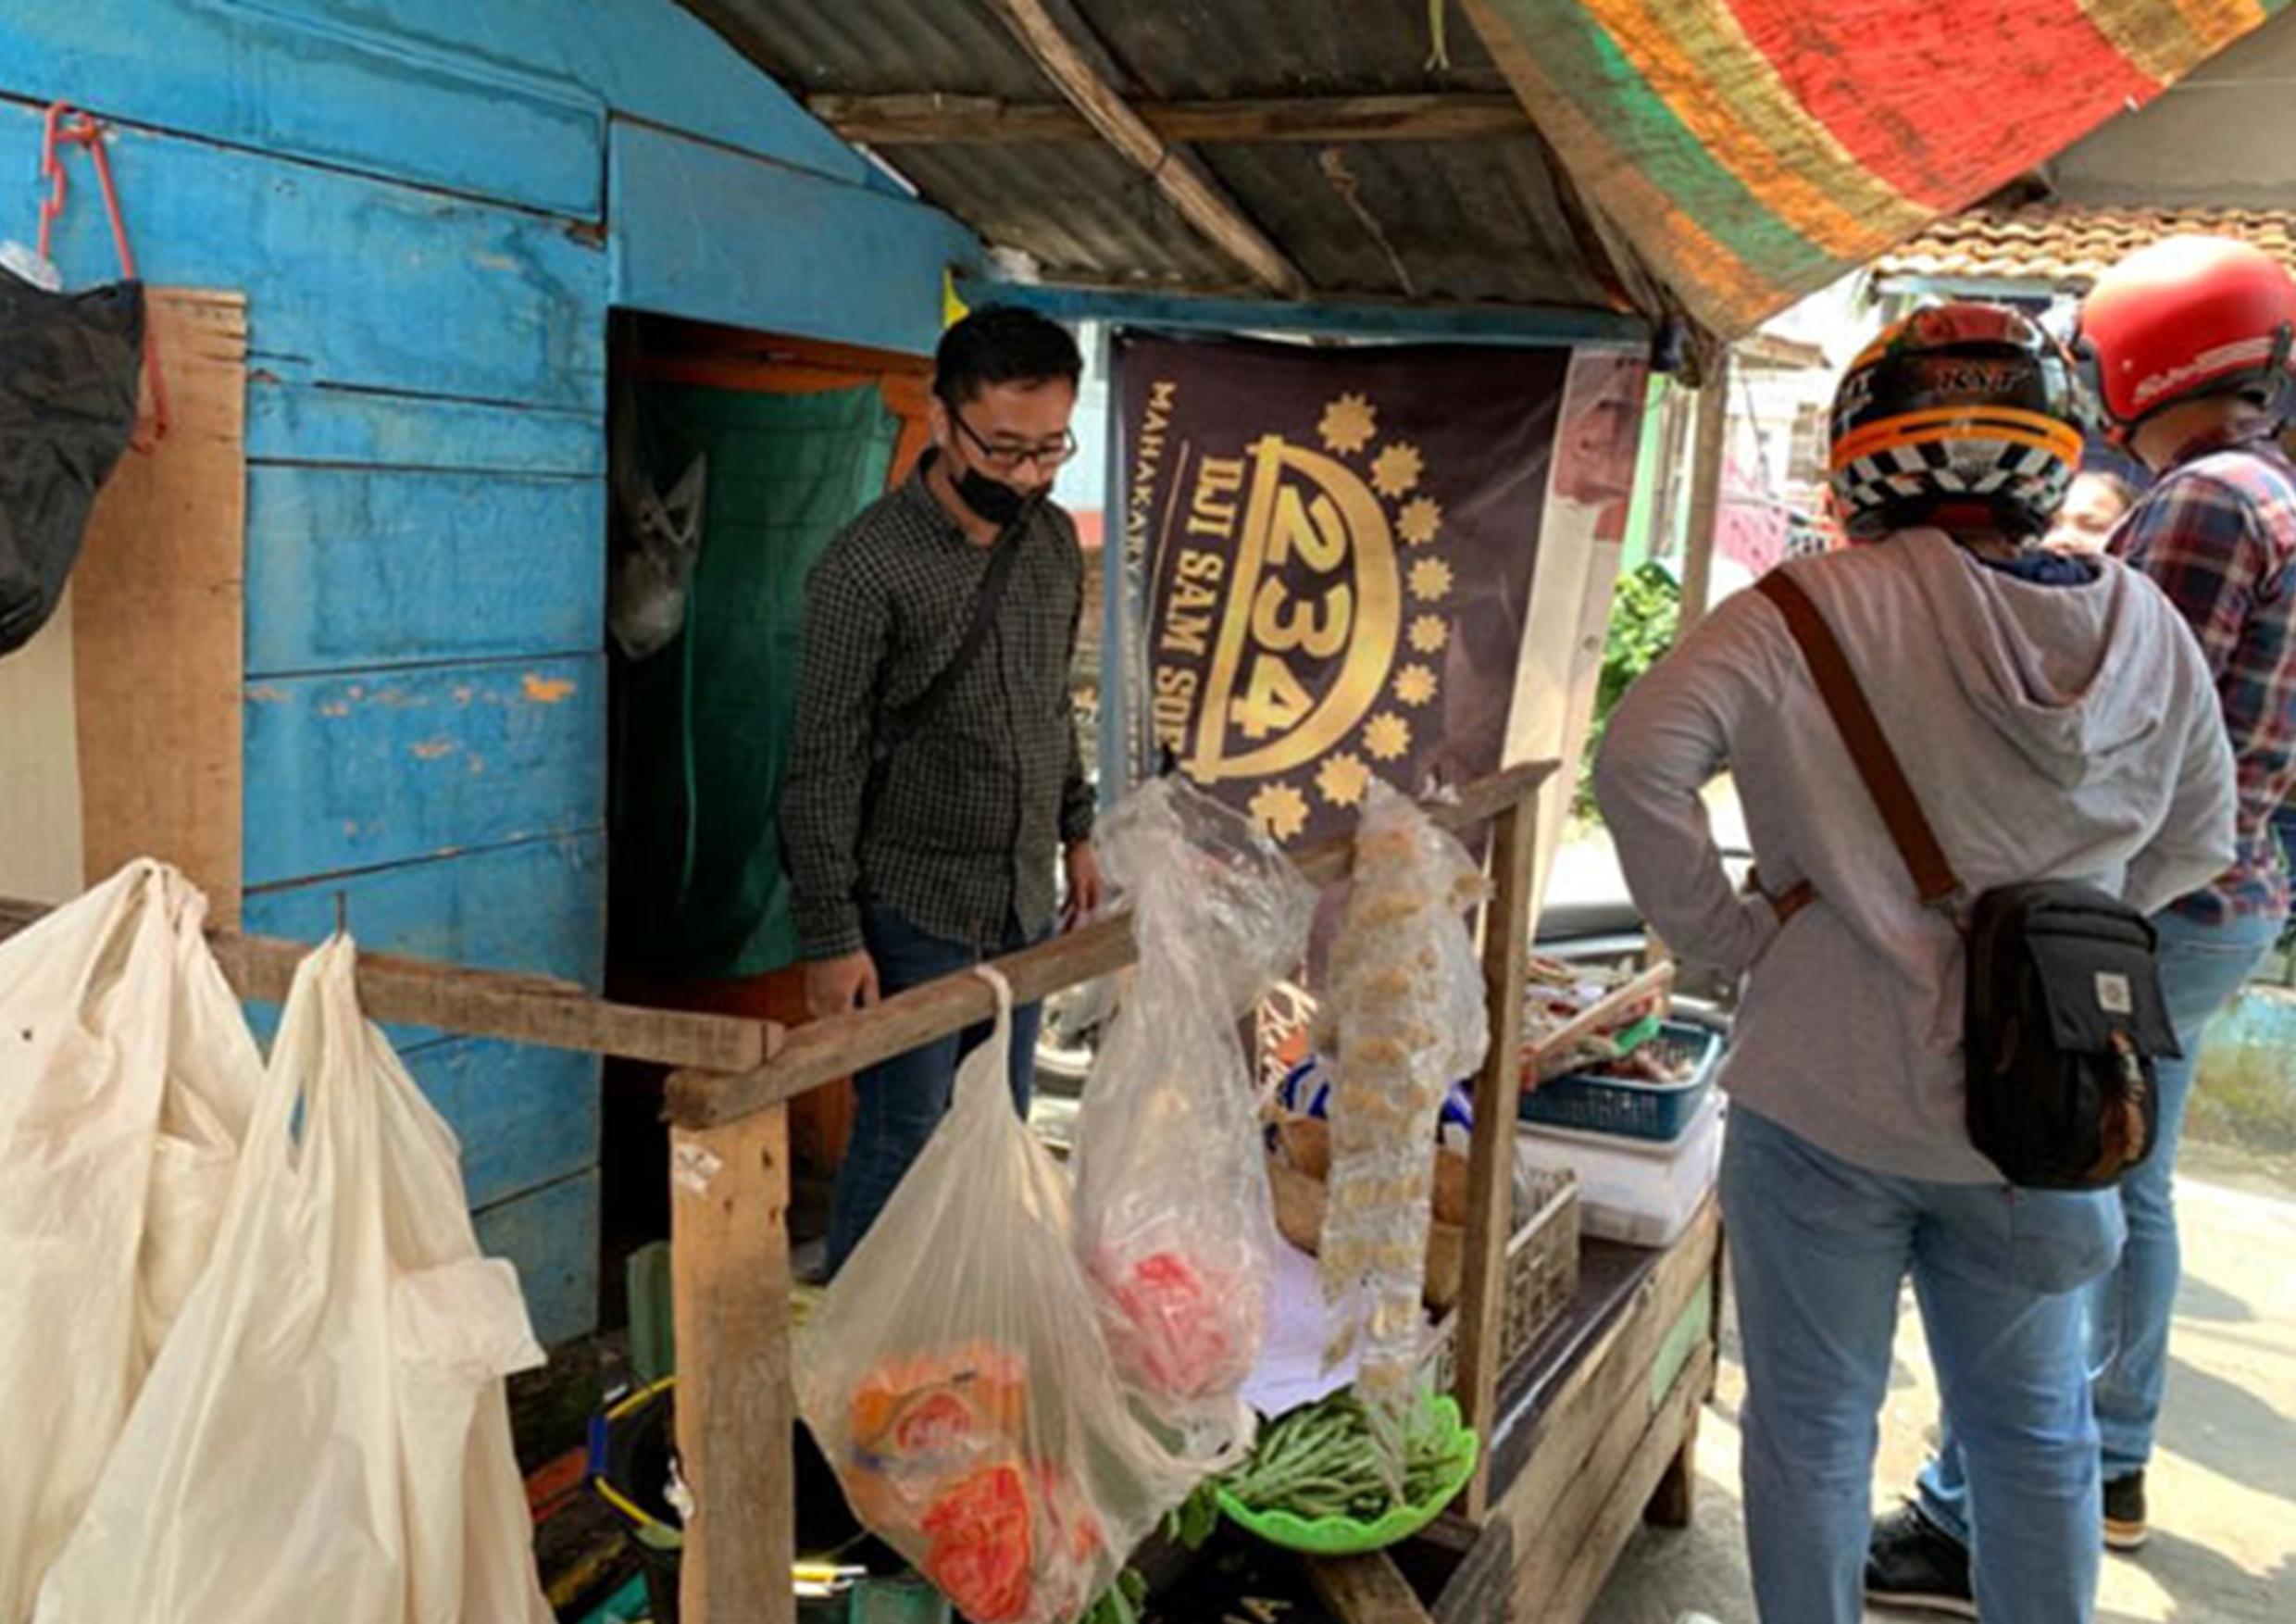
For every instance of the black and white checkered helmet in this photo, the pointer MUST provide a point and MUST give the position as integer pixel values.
(1965, 417)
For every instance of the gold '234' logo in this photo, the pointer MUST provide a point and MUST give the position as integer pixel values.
(1320, 613)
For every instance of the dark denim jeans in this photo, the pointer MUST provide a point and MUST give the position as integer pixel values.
(901, 1101)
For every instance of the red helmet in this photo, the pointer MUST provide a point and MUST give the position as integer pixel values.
(2185, 317)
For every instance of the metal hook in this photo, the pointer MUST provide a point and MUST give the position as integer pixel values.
(342, 914)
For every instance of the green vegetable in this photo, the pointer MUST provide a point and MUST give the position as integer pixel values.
(1122, 1602)
(1336, 1458)
(1194, 1519)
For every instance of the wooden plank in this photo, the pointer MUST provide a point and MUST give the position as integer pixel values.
(157, 614)
(351, 281)
(356, 568)
(1365, 1590)
(1482, 1589)
(715, 236)
(314, 423)
(360, 771)
(1184, 182)
(528, 1009)
(1654, 982)
(1490, 1168)
(1225, 309)
(1610, 1376)
(503, 1004)
(1709, 456)
(40, 766)
(1675, 1499)
(429, 1001)
(1569, 1575)
(259, 76)
(537, 906)
(500, 100)
(730, 1284)
(823, 1051)
(526, 1117)
(551, 1235)
(900, 120)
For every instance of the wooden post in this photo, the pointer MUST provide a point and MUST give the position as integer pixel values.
(1673, 1501)
(1185, 183)
(1709, 454)
(729, 1268)
(1490, 1172)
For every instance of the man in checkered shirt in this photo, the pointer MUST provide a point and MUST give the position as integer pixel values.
(935, 775)
(2189, 341)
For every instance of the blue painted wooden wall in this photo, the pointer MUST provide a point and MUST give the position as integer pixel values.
(430, 205)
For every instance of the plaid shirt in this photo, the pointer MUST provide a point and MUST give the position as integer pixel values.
(964, 823)
(2218, 533)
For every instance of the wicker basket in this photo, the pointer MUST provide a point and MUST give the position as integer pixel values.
(1542, 1278)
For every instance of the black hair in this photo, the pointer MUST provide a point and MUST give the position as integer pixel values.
(1003, 344)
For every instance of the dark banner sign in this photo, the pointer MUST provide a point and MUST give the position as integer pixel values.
(1331, 555)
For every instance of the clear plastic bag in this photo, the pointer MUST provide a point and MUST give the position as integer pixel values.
(127, 1076)
(955, 1379)
(1404, 1019)
(325, 1435)
(1174, 1221)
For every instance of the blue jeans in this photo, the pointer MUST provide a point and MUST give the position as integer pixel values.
(898, 1102)
(1819, 1247)
(2130, 1309)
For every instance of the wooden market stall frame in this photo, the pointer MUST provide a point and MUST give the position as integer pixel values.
(728, 1176)
(731, 1081)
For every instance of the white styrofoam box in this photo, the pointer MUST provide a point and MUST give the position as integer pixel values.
(1629, 1190)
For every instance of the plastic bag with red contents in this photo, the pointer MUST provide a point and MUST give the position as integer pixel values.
(1173, 1214)
(955, 1377)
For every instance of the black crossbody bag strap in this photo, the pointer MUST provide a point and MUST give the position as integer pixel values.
(903, 724)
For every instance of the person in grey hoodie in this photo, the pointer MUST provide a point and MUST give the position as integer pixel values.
(2057, 721)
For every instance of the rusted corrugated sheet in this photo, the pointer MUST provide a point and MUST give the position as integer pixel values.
(1450, 221)
(1746, 150)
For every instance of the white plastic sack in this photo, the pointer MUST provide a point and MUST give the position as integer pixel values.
(955, 1379)
(324, 1439)
(127, 1074)
(1175, 1225)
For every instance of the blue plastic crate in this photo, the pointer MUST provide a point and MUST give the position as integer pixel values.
(1659, 1112)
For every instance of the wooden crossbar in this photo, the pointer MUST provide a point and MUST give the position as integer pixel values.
(826, 1050)
(490, 1003)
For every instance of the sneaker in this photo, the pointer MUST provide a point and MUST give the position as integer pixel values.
(2123, 1513)
(1909, 1562)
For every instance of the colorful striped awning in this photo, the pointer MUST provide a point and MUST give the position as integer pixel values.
(1751, 151)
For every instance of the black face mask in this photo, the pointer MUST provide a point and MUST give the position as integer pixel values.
(996, 501)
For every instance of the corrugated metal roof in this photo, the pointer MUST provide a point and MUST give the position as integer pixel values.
(1439, 221)
(1078, 207)
(1182, 50)
(879, 48)
(1456, 221)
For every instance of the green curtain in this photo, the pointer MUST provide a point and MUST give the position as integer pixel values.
(704, 726)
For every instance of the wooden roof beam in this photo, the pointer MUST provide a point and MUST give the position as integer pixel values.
(1183, 181)
(934, 119)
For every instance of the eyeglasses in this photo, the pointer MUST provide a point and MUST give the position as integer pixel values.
(1009, 459)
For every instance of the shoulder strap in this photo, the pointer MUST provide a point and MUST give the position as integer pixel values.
(1861, 731)
(905, 723)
